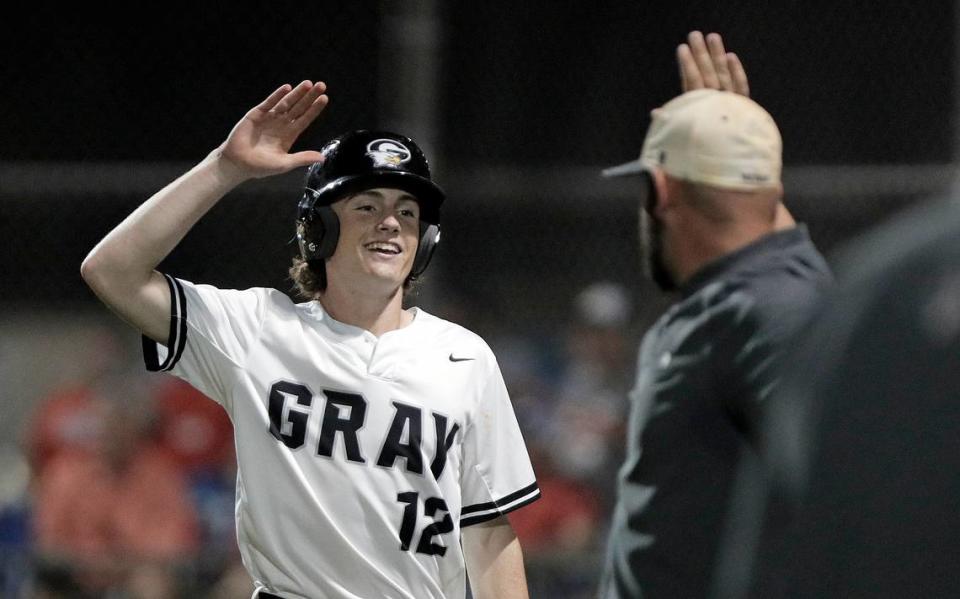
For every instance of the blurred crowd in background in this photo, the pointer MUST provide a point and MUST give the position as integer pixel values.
(122, 484)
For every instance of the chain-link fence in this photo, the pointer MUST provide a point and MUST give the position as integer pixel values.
(526, 104)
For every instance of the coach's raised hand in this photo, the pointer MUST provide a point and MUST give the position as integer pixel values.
(259, 144)
(704, 63)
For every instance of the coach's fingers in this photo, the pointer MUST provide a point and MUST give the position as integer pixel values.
(690, 78)
(738, 75)
(718, 58)
(698, 47)
(307, 100)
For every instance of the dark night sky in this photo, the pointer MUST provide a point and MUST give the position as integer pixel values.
(521, 83)
(538, 85)
(170, 83)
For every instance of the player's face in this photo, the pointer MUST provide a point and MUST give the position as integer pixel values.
(379, 232)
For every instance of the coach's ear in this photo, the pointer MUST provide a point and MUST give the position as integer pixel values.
(662, 192)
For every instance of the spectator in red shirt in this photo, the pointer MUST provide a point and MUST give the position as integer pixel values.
(67, 420)
(118, 515)
(193, 430)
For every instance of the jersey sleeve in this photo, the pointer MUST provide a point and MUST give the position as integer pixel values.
(211, 333)
(497, 476)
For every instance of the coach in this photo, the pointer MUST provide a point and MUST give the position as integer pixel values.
(712, 228)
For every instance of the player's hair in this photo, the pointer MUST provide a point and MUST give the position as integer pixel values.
(310, 278)
(309, 281)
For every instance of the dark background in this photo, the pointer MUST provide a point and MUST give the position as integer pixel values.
(533, 83)
(102, 107)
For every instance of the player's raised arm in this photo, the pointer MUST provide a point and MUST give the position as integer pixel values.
(121, 268)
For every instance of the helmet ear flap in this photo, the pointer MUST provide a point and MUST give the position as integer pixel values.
(318, 229)
(429, 239)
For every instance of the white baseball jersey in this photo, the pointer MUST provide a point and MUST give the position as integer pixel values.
(360, 458)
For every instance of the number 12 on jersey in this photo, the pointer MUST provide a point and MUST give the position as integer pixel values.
(431, 506)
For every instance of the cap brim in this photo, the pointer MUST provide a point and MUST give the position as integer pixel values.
(627, 169)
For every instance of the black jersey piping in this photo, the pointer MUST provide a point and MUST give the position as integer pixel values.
(481, 512)
(177, 337)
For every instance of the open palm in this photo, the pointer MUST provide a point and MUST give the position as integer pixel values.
(259, 144)
(704, 63)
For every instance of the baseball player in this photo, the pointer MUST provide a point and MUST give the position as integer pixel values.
(377, 448)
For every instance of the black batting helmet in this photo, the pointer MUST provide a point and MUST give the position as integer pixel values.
(361, 160)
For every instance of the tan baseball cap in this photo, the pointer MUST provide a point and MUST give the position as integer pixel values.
(713, 137)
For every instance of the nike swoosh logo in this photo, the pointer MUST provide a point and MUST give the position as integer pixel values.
(452, 359)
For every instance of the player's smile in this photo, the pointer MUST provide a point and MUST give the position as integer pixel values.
(388, 258)
(386, 248)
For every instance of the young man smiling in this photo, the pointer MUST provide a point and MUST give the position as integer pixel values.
(379, 230)
(377, 448)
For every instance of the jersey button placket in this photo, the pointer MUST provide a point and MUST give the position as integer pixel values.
(374, 363)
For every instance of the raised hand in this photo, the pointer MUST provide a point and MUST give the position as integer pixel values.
(259, 144)
(704, 63)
